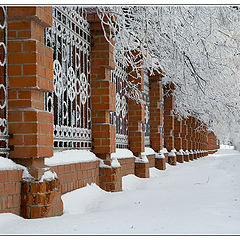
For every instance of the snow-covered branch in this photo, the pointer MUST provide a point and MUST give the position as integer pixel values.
(196, 47)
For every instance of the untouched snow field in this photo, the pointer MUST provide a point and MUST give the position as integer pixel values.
(199, 197)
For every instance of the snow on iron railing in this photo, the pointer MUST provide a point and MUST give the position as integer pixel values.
(4, 150)
(69, 38)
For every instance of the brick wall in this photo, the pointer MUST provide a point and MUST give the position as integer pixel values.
(212, 143)
(151, 159)
(10, 191)
(77, 175)
(127, 166)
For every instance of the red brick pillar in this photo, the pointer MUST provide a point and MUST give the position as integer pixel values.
(156, 118)
(201, 142)
(198, 138)
(205, 140)
(142, 169)
(189, 138)
(178, 139)
(169, 120)
(103, 92)
(30, 70)
(103, 103)
(136, 115)
(193, 137)
(184, 134)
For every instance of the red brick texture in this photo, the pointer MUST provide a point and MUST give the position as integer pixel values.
(10, 191)
(177, 134)
(168, 117)
(180, 158)
(103, 92)
(30, 71)
(191, 156)
(77, 175)
(172, 160)
(160, 163)
(156, 112)
(136, 115)
(189, 133)
(110, 179)
(184, 134)
(151, 159)
(142, 170)
(127, 166)
(41, 199)
(212, 143)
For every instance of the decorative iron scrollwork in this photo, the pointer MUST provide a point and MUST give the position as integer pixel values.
(120, 117)
(3, 83)
(69, 37)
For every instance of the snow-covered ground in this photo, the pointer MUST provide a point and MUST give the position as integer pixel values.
(199, 197)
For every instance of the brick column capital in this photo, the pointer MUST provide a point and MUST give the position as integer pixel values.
(42, 15)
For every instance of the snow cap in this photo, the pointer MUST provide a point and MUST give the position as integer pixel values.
(164, 150)
(186, 152)
(115, 163)
(48, 176)
(143, 158)
(172, 153)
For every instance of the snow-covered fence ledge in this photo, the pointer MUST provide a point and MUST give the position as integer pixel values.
(75, 168)
(71, 157)
(126, 159)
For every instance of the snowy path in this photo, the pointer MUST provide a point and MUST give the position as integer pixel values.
(199, 197)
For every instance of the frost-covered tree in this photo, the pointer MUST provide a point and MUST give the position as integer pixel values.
(196, 48)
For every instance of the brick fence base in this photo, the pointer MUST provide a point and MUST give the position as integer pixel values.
(186, 158)
(160, 163)
(110, 179)
(191, 157)
(41, 199)
(172, 160)
(142, 170)
(127, 165)
(180, 158)
(10, 191)
(151, 159)
(77, 175)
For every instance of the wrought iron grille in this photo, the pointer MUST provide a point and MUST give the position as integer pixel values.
(120, 77)
(145, 98)
(3, 83)
(70, 103)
